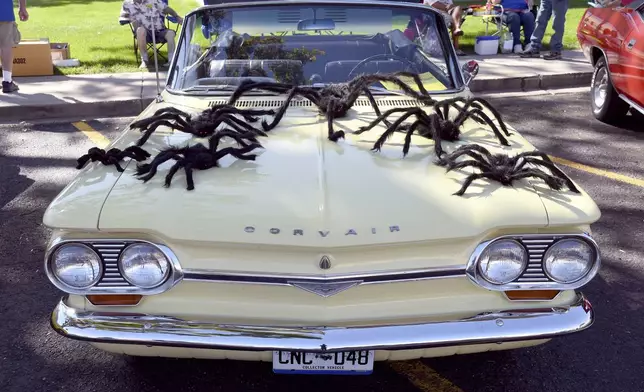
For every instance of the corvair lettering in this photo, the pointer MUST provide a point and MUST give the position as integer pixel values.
(322, 233)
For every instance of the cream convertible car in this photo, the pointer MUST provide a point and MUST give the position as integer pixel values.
(284, 201)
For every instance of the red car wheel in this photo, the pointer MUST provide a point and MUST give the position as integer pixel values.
(605, 102)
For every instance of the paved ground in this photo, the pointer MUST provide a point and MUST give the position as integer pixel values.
(36, 161)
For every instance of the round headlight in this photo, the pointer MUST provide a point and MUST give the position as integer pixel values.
(76, 265)
(569, 260)
(144, 265)
(503, 261)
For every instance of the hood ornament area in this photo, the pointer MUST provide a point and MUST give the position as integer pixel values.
(325, 263)
(325, 289)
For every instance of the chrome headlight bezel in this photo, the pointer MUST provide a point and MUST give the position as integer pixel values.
(53, 277)
(525, 281)
(102, 286)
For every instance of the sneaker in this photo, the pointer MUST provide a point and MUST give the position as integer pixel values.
(9, 87)
(144, 64)
(530, 53)
(552, 56)
(518, 49)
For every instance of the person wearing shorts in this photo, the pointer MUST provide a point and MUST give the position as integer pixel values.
(9, 38)
(452, 19)
(146, 15)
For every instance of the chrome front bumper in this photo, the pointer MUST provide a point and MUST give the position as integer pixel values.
(498, 327)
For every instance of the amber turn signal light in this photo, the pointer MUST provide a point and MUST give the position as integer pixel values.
(121, 299)
(531, 295)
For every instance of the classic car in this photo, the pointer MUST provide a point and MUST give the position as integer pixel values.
(611, 35)
(316, 187)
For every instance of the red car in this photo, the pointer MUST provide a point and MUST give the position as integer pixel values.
(612, 38)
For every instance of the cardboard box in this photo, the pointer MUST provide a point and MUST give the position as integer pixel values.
(59, 51)
(33, 58)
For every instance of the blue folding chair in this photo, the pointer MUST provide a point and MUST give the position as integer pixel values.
(124, 19)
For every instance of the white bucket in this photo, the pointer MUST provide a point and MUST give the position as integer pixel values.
(486, 45)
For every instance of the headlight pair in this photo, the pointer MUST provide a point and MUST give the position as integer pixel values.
(77, 266)
(507, 263)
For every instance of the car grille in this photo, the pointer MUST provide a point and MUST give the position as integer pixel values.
(110, 252)
(536, 249)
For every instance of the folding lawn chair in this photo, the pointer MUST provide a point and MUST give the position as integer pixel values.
(124, 19)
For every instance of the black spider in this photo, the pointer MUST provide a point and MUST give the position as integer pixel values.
(437, 126)
(112, 156)
(505, 169)
(473, 107)
(202, 125)
(199, 156)
(334, 100)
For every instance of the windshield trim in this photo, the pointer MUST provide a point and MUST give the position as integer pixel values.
(445, 41)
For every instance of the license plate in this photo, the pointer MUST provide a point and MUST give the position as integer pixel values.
(348, 362)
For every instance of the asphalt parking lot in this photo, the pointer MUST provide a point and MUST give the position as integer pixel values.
(38, 160)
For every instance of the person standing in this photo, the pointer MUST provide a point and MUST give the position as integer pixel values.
(548, 8)
(9, 38)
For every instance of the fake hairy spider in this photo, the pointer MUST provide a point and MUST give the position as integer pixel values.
(112, 156)
(437, 126)
(505, 169)
(199, 156)
(334, 100)
(202, 125)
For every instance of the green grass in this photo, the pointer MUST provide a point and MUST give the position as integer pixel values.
(91, 29)
(474, 26)
(103, 46)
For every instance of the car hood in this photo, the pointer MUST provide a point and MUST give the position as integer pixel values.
(305, 190)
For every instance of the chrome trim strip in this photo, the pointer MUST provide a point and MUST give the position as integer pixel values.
(174, 277)
(150, 330)
(632, 103)
(529, 283)
(190, 274)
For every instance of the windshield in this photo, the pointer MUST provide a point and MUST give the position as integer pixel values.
(310, 44)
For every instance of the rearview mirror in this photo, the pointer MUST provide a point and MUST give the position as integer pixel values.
(316, 24)
(470, 70)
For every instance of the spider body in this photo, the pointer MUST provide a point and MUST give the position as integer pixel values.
(437, 126)
(506, 169)
(199, 157)
(202, 125)
(112, 156)
(334, 100)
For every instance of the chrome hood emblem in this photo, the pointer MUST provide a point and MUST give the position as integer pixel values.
(325, 289)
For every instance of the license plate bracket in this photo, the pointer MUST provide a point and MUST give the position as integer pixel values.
(356, 362)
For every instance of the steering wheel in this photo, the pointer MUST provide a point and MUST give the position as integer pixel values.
(433, 68)
(379, 56)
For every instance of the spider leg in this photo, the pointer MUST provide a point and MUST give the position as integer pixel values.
(381, 140)
(173, 170)
(92, 154)
(280, 112)
(382, 117)
(250, 85)
(468, 181)
(469, 163)
(423, 96)
(333, 135)
(553, 182)
(555, 170)
(474, 151)
(153, 127)
(373, 103)
(436, 135)
(487, 119)
(150, 169)
(495, 112)
(189, 179)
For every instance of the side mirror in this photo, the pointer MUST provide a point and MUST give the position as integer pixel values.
(470, 70)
